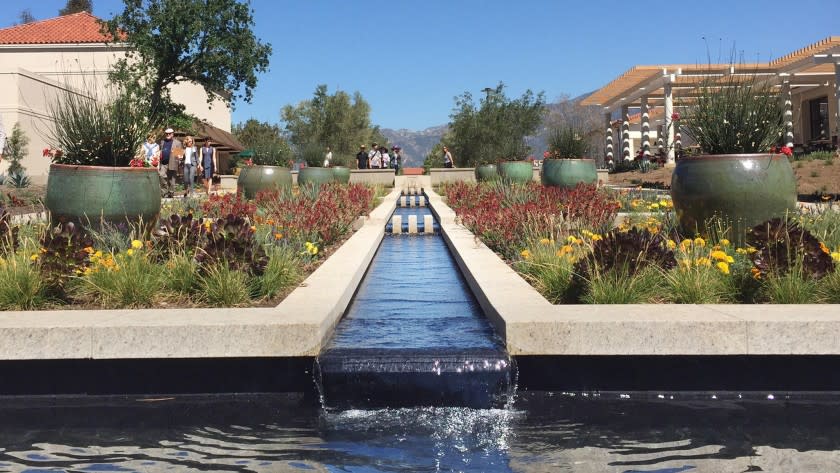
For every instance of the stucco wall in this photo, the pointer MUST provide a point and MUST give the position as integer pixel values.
(33, 75)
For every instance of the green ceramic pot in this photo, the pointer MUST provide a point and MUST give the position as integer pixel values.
(516, 171)
(568, 172)
(486, 172)
(741, 189)
(91, 194)
(314, 176)
(253, 179)
(341, 174)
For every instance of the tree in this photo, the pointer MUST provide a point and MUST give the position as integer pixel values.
(208, 42)
(495, 130)
(76, 6)
(15, 149)
(588, 120)
(25, 16)
(265, 140)
(331, 120)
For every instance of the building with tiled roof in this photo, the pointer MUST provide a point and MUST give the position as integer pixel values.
(42, 58)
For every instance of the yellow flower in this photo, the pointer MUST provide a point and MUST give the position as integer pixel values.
(34, 257)
(654, 206)
(685, 262)
(665, 203)
(564, 249)
(278, 236)
(136, 244)
(756, 274)
(544, 241)
(525, 254)
(835, 256)
(253, 228)
(699, 241)
(596, 237)
(130, 251)
(740, 251)
(686, 243)
(718, 255)
(730, 259)
(571, 239)
(751, 250)
(88, 249)
(723, 267)
(671, 244)
(703, 261)
(824, 248)
(724, 242)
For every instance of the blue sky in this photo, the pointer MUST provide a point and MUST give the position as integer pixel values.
(409, 58)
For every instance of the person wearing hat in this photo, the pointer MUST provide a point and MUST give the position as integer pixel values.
(362, 158)
(171, 152)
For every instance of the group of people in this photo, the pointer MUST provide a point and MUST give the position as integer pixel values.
(379, 158)
(171, 154)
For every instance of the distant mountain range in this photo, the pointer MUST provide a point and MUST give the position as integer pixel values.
(417, 144)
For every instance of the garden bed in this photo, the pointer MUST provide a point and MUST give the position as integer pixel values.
(565, 244)
(220, 252)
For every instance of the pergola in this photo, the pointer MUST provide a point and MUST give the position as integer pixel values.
(647, 87)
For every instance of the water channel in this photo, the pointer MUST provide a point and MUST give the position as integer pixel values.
(414, 337)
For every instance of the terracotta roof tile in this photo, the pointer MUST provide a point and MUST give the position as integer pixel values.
(76, 28)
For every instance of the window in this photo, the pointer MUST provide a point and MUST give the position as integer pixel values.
(818, 109)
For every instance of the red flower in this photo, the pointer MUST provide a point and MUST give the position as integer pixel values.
(46, 152)
(546, 154)
(675, 116)
(786, 151)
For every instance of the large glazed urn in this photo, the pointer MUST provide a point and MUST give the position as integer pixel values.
(520, 172)
(253, 179)
(568, 172)
(93, 194)
(341, 174)
(486, 172)
(742, 190)
(315, 176)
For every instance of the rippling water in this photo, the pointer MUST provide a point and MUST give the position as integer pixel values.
(543, 432)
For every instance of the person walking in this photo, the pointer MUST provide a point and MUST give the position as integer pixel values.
(362, 158)
(171, 151)
(447, 158)
(190, 164)
(328, 157)
(208, 163)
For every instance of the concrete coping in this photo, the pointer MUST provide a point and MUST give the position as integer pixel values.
(298, 326)
(531, 325)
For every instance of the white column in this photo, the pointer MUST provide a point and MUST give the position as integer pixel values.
(645, 111)
(788, 106)
(609, 136)
(837, 99)
(677, 138)
(625, 133)
(669, 125)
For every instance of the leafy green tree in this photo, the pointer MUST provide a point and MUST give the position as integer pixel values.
(208, 42)
(15, 149)
(332, 120)
(496, 128)
(76, 6)
(266, 140)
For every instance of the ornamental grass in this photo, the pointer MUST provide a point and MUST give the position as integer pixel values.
(195, 258)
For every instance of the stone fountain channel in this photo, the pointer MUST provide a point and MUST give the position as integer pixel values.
(414, 334)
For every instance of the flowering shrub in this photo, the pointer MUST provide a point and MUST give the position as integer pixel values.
(231, 240)
(228, 204)
(506, 216)
(65, 253)
(323, 215)
(780, 246)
